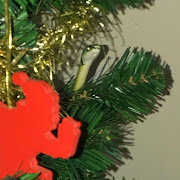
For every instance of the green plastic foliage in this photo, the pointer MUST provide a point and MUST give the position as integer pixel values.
(25, 176)
(124, 95)
(109, 6)
(133, 86)
(24, 33)
(91, 158)
(28, 176)
(100, 145)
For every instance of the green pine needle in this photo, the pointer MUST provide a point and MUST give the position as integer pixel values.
(25, 176)
(124, 95)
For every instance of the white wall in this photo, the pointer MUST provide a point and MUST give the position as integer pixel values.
(156, 153)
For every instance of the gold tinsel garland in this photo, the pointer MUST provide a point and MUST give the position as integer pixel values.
(62, 32)
(67, 30)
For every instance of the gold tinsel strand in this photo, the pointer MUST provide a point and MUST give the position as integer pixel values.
(2, 70)
(8, 37)
(62, 32)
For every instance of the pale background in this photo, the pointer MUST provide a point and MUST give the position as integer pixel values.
(156, 150)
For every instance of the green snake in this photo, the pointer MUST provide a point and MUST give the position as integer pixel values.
(90, 53)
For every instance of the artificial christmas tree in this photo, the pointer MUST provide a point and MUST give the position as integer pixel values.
(46, 38)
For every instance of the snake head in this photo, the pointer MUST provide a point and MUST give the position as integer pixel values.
(90, 53)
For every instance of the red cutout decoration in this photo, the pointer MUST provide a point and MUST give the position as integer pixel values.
(25, 130)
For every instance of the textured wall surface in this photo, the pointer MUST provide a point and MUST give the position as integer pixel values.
(156, 150)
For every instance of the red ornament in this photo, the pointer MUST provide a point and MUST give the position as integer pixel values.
(25, 130)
